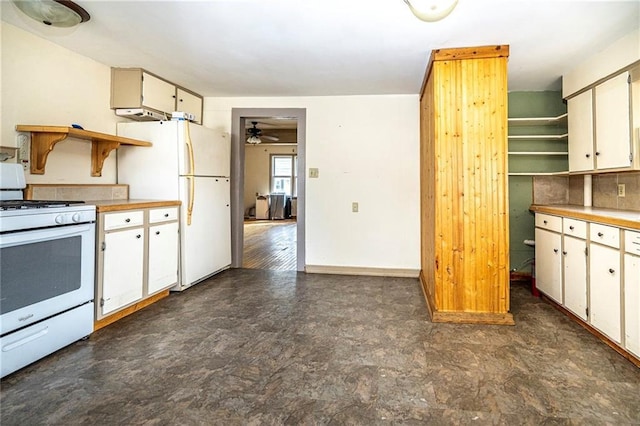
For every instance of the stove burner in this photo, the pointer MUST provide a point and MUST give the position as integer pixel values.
(35, 204)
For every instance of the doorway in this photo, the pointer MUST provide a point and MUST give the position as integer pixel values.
(279, 230)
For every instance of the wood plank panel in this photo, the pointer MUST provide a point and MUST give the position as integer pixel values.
(270, 245)
(465, 216)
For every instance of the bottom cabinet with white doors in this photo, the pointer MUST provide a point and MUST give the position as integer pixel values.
(599, 272)
(137, 256)
(632, 291)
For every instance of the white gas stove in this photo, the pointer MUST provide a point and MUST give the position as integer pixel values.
(47, 252)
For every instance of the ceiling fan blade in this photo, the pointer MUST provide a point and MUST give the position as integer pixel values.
(270, 138)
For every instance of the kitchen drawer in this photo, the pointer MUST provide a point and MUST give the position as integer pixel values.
(632, 242)
(603, 234)
(163, 215)
(575, 228)
(552, 223)
(124, 219)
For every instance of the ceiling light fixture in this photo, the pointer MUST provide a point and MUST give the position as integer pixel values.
(56, 13)
(254, 132)
(431, 10)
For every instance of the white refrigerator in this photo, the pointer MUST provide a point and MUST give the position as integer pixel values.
(190, 163)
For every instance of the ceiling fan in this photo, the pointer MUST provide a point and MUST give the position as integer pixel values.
(256, 136)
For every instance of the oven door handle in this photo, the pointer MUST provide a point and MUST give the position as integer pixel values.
(45, 234)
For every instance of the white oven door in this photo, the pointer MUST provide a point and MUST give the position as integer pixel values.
(45, 272)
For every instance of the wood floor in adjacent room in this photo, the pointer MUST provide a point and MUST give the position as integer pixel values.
(270, 244)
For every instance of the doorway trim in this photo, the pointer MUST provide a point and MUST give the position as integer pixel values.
(238, 118)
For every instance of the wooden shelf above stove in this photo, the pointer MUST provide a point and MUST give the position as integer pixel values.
(44, 138)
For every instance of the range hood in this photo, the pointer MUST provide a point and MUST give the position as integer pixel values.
(141, 114)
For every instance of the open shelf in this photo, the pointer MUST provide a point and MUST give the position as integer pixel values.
(538, 153)
(560, 120)
(562, 136)
(44, 138)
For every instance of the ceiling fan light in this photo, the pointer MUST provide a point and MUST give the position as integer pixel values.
(431, 10)
(56, 13)
(253, 139)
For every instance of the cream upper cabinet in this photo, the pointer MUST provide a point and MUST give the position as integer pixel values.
(134, 88)
(612, 116)
(580, 127)
(599, 125)
(157, 93)
(188, 102)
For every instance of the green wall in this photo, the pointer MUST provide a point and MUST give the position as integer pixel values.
(521, 220)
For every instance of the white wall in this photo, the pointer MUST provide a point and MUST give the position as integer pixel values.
(367, 150)
(257, 170)
(45, 84)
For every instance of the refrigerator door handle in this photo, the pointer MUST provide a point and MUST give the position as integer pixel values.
(190, 148)
(192, 191)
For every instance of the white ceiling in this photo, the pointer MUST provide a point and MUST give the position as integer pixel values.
(332, 47)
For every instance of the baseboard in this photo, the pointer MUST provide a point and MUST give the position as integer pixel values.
(354, 270)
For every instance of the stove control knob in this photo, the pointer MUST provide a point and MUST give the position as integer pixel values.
(76, 217)
(59, 219)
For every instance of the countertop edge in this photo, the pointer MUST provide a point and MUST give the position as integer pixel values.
(604, 216)
(103, 206)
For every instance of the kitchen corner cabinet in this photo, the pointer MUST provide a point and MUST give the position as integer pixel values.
(137, 88)
(137, 257)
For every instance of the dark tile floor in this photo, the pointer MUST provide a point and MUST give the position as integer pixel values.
(258, 347)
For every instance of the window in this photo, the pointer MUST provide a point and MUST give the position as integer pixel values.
(284, 174)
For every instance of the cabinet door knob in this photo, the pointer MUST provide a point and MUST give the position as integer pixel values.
(157, 232)
(166, 215)
(597, 153)
(555, 250)
(545, 222)
(564, 252)
(611, 271)
(600, 234)
(571, 227)
(588, 155)
(127, 220)
(138, 236)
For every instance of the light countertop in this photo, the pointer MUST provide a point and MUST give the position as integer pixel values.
(130, 204)
(621, 218)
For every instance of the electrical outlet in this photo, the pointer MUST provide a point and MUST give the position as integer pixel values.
(23, 150)
(621, 190)
(314, 172)
(354, 207)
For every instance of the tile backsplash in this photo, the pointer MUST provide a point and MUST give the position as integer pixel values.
(570, 190)
(76, 192)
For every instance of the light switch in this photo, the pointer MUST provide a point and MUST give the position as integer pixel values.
(354, 207)
(314, 172)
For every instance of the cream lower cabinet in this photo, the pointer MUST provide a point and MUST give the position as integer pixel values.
(137, 256)
(604, 286)
(163, 256)
(574, 253)
(632, 292)
(549, 256)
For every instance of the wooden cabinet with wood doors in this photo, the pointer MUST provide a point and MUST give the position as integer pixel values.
(464, 186)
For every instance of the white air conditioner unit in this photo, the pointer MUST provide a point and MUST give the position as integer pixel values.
(141, 114)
